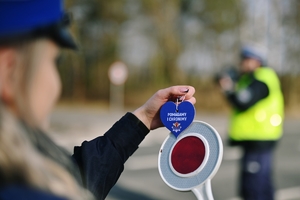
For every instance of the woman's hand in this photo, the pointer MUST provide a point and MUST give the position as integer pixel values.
(149, 112)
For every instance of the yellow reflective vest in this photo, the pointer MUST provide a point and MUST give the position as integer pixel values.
(263, 121)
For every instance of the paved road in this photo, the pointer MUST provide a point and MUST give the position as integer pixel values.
(141, 179)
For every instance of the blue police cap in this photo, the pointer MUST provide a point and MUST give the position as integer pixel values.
(255, 51)
(26, 19)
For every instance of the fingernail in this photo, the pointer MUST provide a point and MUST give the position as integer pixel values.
(185, 90)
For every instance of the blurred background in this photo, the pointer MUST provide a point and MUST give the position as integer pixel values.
(176, 42)
(170, 42)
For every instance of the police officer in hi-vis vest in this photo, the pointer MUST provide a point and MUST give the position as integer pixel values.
(256, 121)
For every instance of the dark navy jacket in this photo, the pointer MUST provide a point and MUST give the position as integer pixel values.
(100, 161)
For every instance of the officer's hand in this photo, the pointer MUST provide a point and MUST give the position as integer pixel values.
(149, 112)
(226, 84)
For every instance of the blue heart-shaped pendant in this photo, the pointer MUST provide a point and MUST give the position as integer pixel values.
(177, 120)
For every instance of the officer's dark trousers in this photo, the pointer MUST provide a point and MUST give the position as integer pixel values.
(256, 175)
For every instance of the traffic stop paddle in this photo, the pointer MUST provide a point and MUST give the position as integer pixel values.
(192, 153)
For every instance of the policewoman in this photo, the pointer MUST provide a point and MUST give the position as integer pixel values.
(256, 121)
(32, 166)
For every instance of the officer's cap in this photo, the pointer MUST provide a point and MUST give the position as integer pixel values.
(254, 51)
(27, 19)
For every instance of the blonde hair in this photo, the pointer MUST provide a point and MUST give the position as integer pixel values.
(20, 159)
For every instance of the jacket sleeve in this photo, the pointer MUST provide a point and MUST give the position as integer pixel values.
(18, 191)
(247, 97)
(101, 160)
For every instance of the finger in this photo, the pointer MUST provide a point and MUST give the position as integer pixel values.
(173, 92)
(192, 100)
(190, 93)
